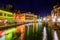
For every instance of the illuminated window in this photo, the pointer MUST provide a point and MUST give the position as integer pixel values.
(0, 14)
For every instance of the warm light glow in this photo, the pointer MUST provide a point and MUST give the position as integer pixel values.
(54, 19)
(52, 15)
(47, 19)
(44, 18)
(58, 19)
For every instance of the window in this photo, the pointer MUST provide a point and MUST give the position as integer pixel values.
(4, 14)
(0, 14)
(59, 10)
(9, 15)
(30, 18)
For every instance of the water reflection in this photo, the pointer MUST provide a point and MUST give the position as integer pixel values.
(55, 36)
(44, 34)
(31, 31)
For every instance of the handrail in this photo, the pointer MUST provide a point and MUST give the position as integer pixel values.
(3, 27)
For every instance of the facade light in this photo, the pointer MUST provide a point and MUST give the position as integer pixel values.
(54, 19)
(44, 18)
(58, 19)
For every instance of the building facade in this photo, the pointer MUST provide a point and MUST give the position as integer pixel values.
(55, 13)
(25, 18)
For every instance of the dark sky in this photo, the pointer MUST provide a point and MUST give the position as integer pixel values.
(39, 7)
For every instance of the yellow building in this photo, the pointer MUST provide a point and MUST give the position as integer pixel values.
(6, 16)
(28, 17)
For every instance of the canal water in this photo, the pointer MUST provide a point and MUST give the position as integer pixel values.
(31, 31)
(55, 36)
(44, 34)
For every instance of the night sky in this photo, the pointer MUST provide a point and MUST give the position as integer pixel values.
(39, 7)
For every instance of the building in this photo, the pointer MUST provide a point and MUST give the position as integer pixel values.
(25, 18)
(55, 13)
(5, 16)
